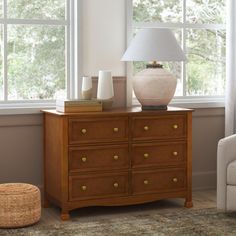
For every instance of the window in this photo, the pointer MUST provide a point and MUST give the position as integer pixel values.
(34, 44)
(199, 26)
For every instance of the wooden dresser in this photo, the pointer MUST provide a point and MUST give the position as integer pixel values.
(118, 157)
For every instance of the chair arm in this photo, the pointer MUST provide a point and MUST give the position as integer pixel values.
(226, 153)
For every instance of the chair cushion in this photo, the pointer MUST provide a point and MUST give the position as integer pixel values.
(231, 173)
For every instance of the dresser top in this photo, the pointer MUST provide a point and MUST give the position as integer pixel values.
(119, 111)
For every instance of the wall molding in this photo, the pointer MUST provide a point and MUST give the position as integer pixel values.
(209, 112)
(21, 120)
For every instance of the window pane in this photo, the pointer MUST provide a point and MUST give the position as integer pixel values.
(1, 8)
(36, 62)
(1, 62)
(36, 9)
(206, 62)
(176, 69)
(202, 11)
(157, 10)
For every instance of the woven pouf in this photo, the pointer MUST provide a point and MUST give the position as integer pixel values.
(20, 205)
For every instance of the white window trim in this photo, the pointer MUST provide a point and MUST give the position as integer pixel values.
(194, 102)
(73, 60)
(25, 108)
(183, 101)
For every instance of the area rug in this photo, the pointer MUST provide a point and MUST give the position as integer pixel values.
(178, 222)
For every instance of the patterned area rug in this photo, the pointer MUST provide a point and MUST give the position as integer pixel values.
(173, 222)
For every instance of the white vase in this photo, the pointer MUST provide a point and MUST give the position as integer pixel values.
(105, 91)
(86, 88)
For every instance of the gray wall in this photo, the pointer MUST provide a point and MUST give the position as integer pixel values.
(21, 148)
(208, 128)
(21, 144)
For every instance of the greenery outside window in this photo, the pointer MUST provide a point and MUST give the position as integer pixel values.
(199, 26)
(35, 45)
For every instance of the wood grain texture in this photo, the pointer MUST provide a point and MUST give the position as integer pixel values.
(53, 150)
(92, 130)
(158, 154)
(98, 186)
(86, 158)
(188, 199)
(159, 127)
(110, 158)
(164, 180)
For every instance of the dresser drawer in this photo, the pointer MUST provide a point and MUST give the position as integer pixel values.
(98, 186)
(98, 130)
(161, 127)
(98, 158)
(159, 154)
(158, 181)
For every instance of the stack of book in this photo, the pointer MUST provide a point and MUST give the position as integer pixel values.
(68, 106)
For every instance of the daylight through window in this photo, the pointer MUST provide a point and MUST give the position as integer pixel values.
(33, 44)
(199, 26)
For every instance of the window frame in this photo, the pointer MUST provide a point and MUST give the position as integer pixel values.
(71, 24)
(184, 101)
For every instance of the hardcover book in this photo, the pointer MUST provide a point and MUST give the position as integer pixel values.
(68, 106)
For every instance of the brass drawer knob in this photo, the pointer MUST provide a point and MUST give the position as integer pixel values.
(116, 157)
(146, 128)
(83, 131)
(175, 126)
(84, 187)
(115, 130)
(175, 180)
(175, 153)
(84, 159)
(145, 182)
(116, 185)
(146, 155)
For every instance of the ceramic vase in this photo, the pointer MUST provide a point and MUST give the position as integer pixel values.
(105, 91)
(86, 88)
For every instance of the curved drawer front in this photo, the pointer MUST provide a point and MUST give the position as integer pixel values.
(98, 186)
(159, 154)
(162, 127)
(98, 130)
(98, 158)
(158, 181)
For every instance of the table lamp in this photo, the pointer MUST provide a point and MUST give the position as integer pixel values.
(154, 87)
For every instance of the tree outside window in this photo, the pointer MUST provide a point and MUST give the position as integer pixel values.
(199, 26)
(33, 57)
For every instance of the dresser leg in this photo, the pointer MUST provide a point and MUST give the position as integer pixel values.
(65, 215)
(188, 203)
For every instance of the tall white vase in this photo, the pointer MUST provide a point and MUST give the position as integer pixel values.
(105, 91)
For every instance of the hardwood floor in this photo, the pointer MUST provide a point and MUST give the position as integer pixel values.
(201, 199)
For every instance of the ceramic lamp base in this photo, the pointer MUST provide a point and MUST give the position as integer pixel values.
(154, 88)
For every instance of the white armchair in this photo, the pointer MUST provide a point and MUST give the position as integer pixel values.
(226, 174)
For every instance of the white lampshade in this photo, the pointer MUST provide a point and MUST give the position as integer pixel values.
(154, 44)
